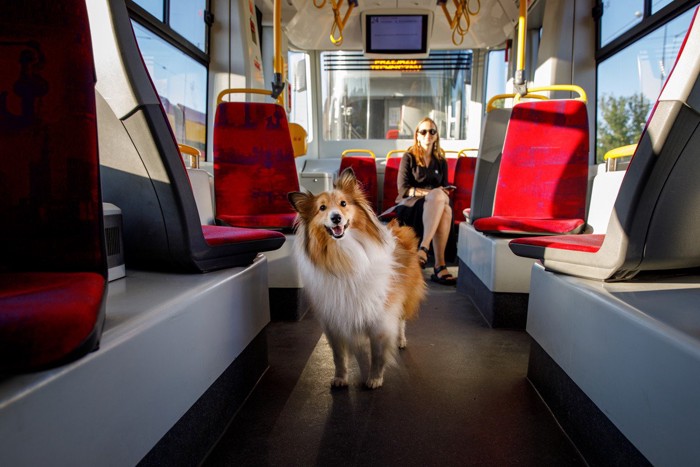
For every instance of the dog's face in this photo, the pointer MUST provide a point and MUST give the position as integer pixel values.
(333, 212)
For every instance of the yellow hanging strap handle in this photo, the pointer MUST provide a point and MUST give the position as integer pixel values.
(492, 102)
(338, 23)
(194, 153)
(463, 14)
(557, 87)
(361, 151)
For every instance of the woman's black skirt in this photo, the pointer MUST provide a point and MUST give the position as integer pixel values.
(412, 216)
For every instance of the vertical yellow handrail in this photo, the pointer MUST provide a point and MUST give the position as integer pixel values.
(278, 63)
(519, 81)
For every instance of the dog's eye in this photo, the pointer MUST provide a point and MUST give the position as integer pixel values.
(322, 207)
(343, 203)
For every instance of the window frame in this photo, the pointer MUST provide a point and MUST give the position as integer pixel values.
(163, 31)
(648, 23)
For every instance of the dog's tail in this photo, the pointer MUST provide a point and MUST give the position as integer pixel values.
(410, 274)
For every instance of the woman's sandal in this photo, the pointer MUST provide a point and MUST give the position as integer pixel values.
(447, 279)
(422, 261)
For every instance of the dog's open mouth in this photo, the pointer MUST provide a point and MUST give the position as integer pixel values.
(338, 231)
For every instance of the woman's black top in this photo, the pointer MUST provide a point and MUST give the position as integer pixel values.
(411, 175)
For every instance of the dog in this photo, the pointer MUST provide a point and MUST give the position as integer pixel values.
(362, 278)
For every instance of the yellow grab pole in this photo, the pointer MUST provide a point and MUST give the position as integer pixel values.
(522, 29)
(278, 83)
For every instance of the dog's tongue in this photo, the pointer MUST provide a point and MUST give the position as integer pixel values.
(338, 230)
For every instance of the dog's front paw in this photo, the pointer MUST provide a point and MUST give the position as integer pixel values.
(374, 383)
(339, 382)
(402, 342)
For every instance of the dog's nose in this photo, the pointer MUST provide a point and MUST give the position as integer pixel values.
(335, 218)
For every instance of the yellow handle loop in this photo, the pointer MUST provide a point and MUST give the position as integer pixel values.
(194, 153)
(221, 95)
(394, 151)
(491, 103)
(361, 151)
(558, 87)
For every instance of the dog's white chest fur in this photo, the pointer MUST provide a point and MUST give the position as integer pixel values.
(355, 298)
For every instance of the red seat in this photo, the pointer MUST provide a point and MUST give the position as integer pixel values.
(464, 181)
(53, 266)
(654, 225)
(254, 165)
(390, 189)
(144, 175)
(543, 177)
(365, 169)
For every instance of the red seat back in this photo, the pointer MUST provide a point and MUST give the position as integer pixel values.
(50, 200)
(254, 165)
(544, 167)
(451, 168)
(365, 169)
(464, 181)
(390, 190)
(543, 177)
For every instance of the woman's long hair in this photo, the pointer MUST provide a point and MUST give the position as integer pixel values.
(418, 151)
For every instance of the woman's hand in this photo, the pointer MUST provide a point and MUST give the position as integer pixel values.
(420, 191)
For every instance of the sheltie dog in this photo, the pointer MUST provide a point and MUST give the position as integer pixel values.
(363, 279)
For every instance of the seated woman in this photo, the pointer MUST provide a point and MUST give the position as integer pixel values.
(423, 200)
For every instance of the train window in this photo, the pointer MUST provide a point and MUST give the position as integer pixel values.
(630, 81)
(659, 4)
(181, 83)
(154, 7)
(300, 95)
(366, 98)
(187, 18)
(618, 17)
(496, 74)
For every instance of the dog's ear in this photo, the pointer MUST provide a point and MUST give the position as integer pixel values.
(299, 200)
(347, 180)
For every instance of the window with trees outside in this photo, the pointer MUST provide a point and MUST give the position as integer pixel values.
(630, 81)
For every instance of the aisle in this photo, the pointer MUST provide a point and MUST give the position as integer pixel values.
(457, 396)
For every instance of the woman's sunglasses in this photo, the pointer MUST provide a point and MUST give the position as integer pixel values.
(432, 131)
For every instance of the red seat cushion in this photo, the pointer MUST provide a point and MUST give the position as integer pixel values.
(534, 247)
(220, 235)
(528, 226)
(589, 243)
(365, 169)
(254, 165)
(45, 317)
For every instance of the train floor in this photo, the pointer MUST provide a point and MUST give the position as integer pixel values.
(457, 395)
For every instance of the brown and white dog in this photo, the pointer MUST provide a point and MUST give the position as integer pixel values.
(363, 279)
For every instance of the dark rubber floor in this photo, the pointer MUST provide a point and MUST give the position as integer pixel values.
(458, 395)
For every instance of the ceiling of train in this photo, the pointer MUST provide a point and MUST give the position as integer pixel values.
(309, 27)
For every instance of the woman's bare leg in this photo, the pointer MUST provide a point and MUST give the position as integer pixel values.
(441, 237)
(437, 205)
